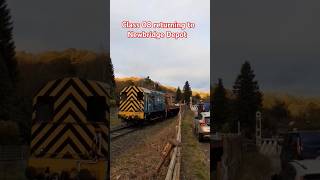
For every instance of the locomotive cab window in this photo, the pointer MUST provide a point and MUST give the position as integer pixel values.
(140, 96)
(44, 109)
(96, 108)
(123, 96)
(152, 98)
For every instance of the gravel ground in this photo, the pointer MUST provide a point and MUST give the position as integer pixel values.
(136, 155)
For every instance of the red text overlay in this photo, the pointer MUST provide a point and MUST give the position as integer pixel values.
(157, 30)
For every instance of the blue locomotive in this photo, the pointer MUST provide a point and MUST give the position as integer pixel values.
(139, 104)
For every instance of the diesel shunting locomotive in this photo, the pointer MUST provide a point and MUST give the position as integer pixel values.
(141, 104)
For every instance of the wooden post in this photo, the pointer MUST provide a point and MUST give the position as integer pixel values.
(176, 173)
(166, 150)
(171, 165)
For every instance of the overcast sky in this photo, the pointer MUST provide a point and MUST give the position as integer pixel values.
(171, 62)
(281, 39)
(56, 25)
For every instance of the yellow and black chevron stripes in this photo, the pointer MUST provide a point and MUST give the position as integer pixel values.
(70, 134)
(131, 103)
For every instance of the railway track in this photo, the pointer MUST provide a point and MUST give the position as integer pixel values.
(120, 131)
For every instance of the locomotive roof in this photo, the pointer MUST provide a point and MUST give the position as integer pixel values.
(150, 91)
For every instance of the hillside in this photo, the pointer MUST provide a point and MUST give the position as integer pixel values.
(124, 81)
(38, 68)
(296, 105)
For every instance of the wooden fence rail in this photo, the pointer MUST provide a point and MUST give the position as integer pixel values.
(173, 172)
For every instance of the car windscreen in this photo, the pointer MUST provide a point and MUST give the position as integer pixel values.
(310, 138)
(206, 107)
(311, 177)
(207, 120)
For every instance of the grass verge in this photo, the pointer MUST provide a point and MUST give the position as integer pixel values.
(194, 165)
(114, 120)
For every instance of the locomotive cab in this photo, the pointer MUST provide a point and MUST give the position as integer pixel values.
(131, 103)
(70, 130)
(139, 104)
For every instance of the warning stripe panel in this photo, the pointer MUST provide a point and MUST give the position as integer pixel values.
(70, 92)
(38, 133)
(83, 88)
(96, 88)
(71, 150)
(45, 89)
(100, 85)
(138, 106)
(49, 139)
(131, 104)
(134, 105)
(52, 129)
(64, 140)
(61, 85)
(53, 87)
(78, 135)
(69, 134)
(89, 87)
(69, 108)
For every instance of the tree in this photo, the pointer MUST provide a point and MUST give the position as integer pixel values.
(276, 118)
(196, 98)
(5, 91)
(7, 47)
(280, 110)
(110, 73)
(219, 103)
(157, 87)
(178, 95)
(310, 117)
(187, 92)
(248, 99)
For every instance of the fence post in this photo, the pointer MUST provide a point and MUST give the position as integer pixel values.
(258, 128)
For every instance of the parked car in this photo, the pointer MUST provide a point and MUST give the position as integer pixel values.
(202, 107)
(300, 145)
(206, 107)
(202, 126)
(301, 170)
